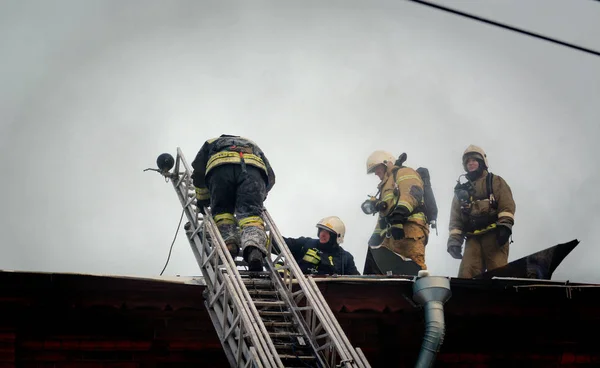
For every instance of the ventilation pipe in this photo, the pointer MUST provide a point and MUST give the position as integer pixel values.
(431, 292)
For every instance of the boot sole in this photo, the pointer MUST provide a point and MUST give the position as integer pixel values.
(255, 265)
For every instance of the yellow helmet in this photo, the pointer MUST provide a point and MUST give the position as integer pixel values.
(378, 158)
(335, 225)
(474, 152)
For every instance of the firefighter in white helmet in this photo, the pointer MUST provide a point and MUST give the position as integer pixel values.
(323, 256)
(483, 212)
(402, 225)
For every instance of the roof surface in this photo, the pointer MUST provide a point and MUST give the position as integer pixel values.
(74, 320)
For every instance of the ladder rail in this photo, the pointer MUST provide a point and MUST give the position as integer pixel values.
(363, 358)
(258, 328)
(348, 355)
(311, 319)
(295, 311)
(237, 349)
(215, 280)
(230, 322)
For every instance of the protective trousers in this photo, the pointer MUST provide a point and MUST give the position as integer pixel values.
(411, 246)
(482, 253)
(241, 191)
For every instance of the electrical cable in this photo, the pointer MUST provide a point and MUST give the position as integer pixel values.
(173, 243)
(505, 26)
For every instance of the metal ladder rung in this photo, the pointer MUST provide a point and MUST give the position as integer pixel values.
(282, 346)
(303, 357)
(274, 313)
(263, 292)
(277, 324)
(257, 282)
(269, 303)
(253, 274)
(284, 334)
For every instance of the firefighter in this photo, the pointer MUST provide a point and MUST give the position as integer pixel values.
(323, 256)
(402, 226)
(233, 176)
(483, 212)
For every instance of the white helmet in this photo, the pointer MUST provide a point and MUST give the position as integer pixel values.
(378, 158)
(335, 225)
(474, 152)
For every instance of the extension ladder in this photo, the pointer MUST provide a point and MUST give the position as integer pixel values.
(275, 318)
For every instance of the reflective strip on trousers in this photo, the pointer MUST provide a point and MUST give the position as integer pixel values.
(224, 219)
(252, 221)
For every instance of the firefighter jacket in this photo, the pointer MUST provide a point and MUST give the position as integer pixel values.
(321, 259)
(402, 191)
(485, 207)
(228, 149)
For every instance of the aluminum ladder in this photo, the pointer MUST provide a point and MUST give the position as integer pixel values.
(276, 318)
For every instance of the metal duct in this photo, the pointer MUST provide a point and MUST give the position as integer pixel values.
(431, 292)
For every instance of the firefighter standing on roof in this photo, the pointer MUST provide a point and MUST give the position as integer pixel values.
(325, 255)
(401, 226)
(483, 212)
(233, 176)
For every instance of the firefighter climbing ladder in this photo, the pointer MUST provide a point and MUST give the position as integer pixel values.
(276, 318)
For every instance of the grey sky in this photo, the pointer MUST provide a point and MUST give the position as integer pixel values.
(91, 92)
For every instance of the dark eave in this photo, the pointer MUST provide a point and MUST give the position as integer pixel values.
(72, 320)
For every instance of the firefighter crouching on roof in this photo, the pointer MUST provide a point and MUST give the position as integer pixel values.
(401, 226)
(233, 176)
(483, 211)
(323, 256)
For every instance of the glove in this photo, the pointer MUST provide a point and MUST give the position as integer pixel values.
(455, 251)
(397, 233)
(201, 204)
(399, 215)
(375, 240)
(502, 234)
(455, 248)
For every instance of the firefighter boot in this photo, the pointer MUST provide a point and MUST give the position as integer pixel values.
(231, 237)
(254, 241)
(255, 260)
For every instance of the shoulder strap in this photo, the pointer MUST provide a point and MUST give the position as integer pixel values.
(490, 189)
(395, 172)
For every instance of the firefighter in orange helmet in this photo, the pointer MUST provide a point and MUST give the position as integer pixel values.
(402, 225)
(483, 212)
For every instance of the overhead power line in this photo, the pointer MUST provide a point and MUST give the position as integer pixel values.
(506, 26)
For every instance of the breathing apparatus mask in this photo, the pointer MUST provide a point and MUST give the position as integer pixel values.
(464, 192)
(372, 206)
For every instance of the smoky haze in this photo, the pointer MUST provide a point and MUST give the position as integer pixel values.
(92, 92)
